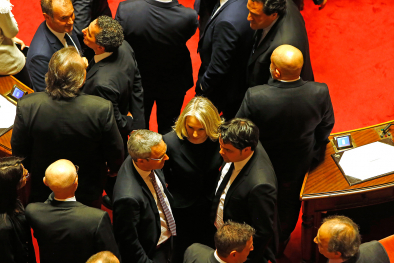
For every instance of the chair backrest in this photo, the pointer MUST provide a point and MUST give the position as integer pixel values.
(388, 244)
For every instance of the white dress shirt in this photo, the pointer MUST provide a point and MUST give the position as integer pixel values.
(165, 230)
(70, 199)
(98, 58)
(222, 2)
(237, 169)
(217, 257)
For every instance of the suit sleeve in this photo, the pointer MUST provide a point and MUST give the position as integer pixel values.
(21, 143)
(244, 110)
(126, 220)
(123, 122)
(112, 142)
(137, 100)
(225, 39)
(324, 128)
(82, 11)
(261, 205)
(104, 237)
(37, 68)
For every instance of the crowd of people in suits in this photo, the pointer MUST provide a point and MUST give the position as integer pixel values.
(229, 181)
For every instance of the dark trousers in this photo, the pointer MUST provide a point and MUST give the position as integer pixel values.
(168, 110)
(192, 226)
(289, 205)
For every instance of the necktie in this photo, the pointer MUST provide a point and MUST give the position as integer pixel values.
(216, 7)
(91, 63)
(259, 33)
(219, 192)
(166, 210)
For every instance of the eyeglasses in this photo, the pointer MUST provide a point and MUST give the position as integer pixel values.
(160, 159)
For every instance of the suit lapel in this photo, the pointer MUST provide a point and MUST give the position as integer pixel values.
(265, 44)
(240, 178)
(214, 18)
(55, 42)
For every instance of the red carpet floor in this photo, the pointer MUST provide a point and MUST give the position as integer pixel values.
(352, 50)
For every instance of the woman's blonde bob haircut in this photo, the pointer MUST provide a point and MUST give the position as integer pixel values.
(205, 112)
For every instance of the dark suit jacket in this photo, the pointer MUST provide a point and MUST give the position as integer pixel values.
(293, 119)
(87, 11)
(224, 49)
(82, 130)
(158, 33)
(117, 79)
(288, 29)
(70, 231)
(136, 217)
(198, 253)
(251, 198)
(42, 47)
(188, 181)
(372, 251)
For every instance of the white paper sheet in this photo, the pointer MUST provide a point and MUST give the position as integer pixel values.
(368, 161)
(7, 113)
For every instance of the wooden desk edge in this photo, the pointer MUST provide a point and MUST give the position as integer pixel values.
(345, 192)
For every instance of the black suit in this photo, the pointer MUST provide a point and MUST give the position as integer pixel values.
(191, 175)
(117, 79)
(158, 33)
(294, 118)
(198, 253)
(136, 217)
(251, 198)
(224, 49)
(85, 12)
(42, 47)
(82, 130)
(69, 231)
(288, 29)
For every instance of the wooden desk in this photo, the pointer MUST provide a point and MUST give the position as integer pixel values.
(6, 84)
(326, 189)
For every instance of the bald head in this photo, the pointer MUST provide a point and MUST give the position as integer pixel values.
(103, 257)
(61, 178)
(286, 63)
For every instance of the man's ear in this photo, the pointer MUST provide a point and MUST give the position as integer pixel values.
(277, 73)
(247, 150)
(46, 16)
(44, 180)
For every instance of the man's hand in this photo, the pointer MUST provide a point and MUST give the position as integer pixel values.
(19, 41)
(323, 4)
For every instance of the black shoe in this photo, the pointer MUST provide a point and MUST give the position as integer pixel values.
(107, 202)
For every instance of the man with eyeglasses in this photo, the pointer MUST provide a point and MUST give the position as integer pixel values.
(143, 220)
(62, 224)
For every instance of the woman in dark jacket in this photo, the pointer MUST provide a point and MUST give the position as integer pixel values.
(191, 172)
(15, 236)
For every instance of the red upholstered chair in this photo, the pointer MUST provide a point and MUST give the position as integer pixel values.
(388, 244)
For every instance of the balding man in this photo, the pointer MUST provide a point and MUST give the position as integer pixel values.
(339, 240)
(103, 257)
(295, 118)
(66, 230)
(52, 35)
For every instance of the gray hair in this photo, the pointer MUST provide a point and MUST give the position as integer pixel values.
(344, 236)
(232, 236)
(141, 142)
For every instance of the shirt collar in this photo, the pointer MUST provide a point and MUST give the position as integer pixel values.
(98, 58)
(143, 174)
(270, 26)
(60, 36)
(289, 80)
(222, 2)
(67, 199)
(218, 258)
(164, 1)
(239, 165)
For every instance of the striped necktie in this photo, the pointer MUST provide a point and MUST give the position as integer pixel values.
(166, 210)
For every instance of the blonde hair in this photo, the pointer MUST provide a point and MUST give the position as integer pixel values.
(205, 112)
